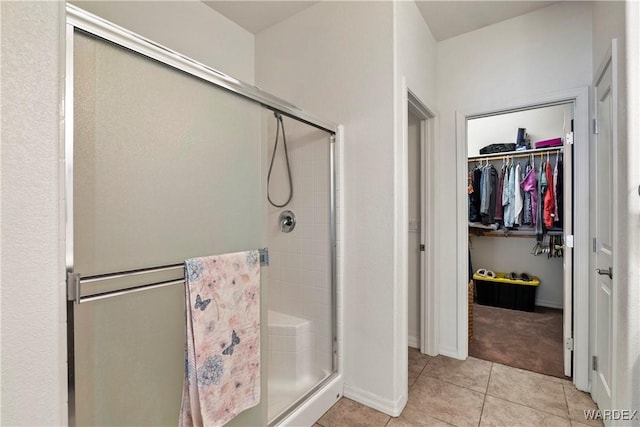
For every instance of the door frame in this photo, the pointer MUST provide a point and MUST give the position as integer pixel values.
(428, 309)
(580, 98)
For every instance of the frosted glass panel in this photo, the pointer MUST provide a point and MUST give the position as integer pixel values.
(130, 359)
(166, 167)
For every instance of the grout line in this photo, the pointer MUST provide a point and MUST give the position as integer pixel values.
(484, 400)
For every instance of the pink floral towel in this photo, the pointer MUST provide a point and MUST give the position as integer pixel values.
(222, 367)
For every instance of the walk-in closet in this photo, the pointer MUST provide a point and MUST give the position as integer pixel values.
(520, 216)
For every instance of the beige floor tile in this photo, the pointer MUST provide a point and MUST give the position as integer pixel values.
(499, 412)
(413, 376)
(471, 373)
(444, 401)
(348, 413)
(579, 401)
(538, 393)
(413, 417)
(417, 362)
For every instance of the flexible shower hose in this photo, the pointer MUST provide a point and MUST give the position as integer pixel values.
(280, 124)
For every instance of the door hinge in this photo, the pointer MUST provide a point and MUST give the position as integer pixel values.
(595, 126)
(570, 138)
(568, 344)
(569, 241)
(594, 363)
(422, 248)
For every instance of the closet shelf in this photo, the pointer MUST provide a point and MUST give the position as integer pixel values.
(524, 153)
(527, 232)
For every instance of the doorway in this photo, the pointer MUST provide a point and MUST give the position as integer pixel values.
(421, 292)
(577, 341)
(415, 225)
(520, 214)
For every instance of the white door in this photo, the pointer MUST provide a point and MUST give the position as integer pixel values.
(605, 98)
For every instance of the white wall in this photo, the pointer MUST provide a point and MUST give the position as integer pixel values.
(414, 52)
(188, 27)
(33, 310)
(544, 51)
(342, 69)
(540, 123)
(609, 20)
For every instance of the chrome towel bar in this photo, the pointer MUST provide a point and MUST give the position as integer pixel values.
(75, 280)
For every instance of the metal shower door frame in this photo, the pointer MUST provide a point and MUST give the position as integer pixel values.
(79, 19)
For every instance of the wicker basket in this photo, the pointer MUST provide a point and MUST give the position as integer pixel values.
(470, 310)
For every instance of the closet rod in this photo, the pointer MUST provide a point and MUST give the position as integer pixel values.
(514, 154)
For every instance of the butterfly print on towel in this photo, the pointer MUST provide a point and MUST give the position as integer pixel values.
(235, 339)
(200, 303)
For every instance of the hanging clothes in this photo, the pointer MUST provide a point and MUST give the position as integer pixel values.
(485, 191)
(498, 211)
(474, 197)
(509, 208)
(517, 195)
(527, 218)
(491, 182)
(559, 192)
(542, 188)
(530, 185)
(549, 198)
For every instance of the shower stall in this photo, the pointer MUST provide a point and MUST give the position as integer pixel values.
(167, 159)
(299, 297)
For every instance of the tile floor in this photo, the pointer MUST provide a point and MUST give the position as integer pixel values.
(474, 392)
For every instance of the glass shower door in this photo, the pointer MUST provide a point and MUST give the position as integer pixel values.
(165, 167)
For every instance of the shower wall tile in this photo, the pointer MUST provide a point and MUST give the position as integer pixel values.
(300, 283)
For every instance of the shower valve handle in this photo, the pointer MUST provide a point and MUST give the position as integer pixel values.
(287, 221)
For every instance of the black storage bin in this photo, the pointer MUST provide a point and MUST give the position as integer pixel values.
(506, 293)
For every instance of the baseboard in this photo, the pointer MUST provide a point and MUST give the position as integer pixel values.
(449, 352)
(414, 342)
(549, 304)
(389, 407)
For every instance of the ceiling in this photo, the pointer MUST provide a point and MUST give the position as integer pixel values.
(446, 19)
